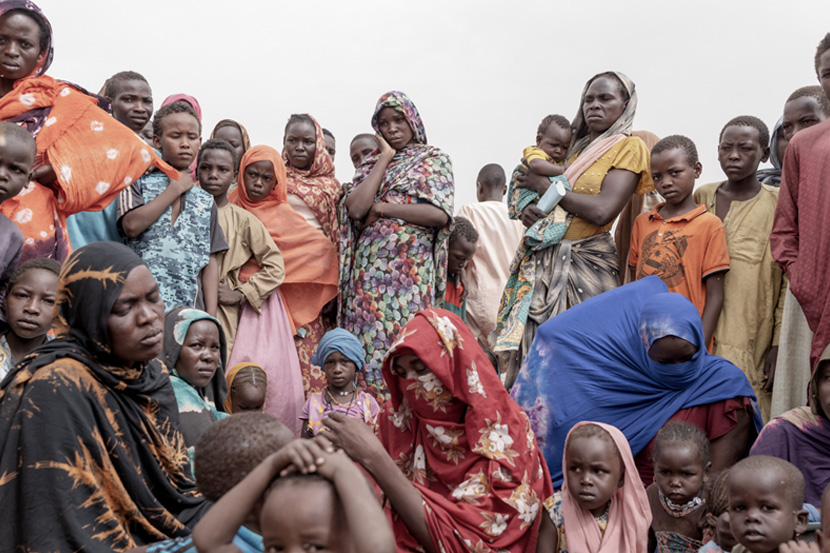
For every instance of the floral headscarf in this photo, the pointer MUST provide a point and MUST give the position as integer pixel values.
(401, 102)
(467, 447)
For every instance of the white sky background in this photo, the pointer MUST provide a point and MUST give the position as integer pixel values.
(482, 73)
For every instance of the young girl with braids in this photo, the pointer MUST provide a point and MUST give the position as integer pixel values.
(247, 386)
(716, 521)
(681, 469)
(341, 356)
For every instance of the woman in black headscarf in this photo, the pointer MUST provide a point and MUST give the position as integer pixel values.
(91, 456)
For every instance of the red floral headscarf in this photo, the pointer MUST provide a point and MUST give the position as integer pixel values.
(467, 447)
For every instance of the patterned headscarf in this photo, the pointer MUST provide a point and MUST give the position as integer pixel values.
(624, 125)
(460, 439)
(401, 102)
(316, 185)
(176, 324)
(44, 60)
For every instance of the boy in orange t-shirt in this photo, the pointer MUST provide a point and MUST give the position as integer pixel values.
(679, 240)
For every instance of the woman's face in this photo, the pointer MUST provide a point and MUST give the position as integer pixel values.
(671, 350)
(603, 104)
(232, 136)
(260, 180)
(395, 128)
(824, 387)
(136, 321)
(300, 144)
(19, 45)
(408, 366)
(201, 354)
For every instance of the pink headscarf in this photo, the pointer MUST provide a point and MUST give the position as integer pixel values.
(629, 516)
(194, 103)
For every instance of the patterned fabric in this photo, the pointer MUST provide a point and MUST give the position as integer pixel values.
(672, 542)
(553, 506)
(175, 252)
(103, 434)
(580, 357)
(306, 340)
(393, 269)
(483, 480)
(628, 518)
(93, 155)
(7, 360)
(362, 407)
(799, 238)
(246, 540)
(317, 187)
(196, 412)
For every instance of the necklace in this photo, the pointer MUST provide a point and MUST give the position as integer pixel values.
(679, 511)
(604, 516)
(330, 399)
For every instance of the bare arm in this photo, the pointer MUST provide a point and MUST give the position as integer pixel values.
(136, 221)
(210, 285)
(360, 199)
(358, 441)
(617, 188)
(632, 271)
(732, 446)
(714, 303)
(548, 538)
(544, 167)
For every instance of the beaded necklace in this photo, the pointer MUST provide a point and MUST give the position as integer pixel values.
(679, 511)
(330, 399)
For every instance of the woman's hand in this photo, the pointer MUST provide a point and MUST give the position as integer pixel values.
(384, 149)
(769, 368)
(531, 214)
(45, 175)
(371, 217)
(531, 181)
(228, 296)
(352, 436)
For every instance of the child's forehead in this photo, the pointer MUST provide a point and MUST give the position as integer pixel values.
(741, 133)
(758, 481)
(180, 120)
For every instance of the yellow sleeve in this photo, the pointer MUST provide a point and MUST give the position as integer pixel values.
(634, 156)
(532, 152)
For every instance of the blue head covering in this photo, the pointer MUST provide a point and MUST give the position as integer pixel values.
(591, 363)
(339, 340)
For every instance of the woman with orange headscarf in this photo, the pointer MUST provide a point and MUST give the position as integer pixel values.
(84, 156)
(310, 282)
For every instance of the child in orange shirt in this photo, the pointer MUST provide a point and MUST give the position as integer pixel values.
(679, 240)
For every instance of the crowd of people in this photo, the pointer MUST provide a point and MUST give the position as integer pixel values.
(217, 346)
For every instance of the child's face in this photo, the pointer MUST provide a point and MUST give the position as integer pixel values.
(679, 472)
(302, 516)
(594, 472)
(215, 171)
(781, 146)
(823, 380)
(300, 144)
(200, 355)
(260, 180)
(29, 303)
(459, 253)
(16, 160)
(555, 142)
(232, 136)
(800, 114)
(740, 152)
(339, 371)
(19, 45)
(146, 134)
(248, 398)
(673, 177)
(133, 104)
(331, 145)
(395, 128)
(671, 350)
(824, 72)
(361, 148)
(723, 533)
(179, 141)
(761, 514)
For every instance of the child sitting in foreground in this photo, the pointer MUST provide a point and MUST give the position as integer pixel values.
(766, 495)
(553, 138)
(461, 247)
(17, 154)
(173, 225)
(312, 499)
(340, 355)
(681, 469)
(225, 454)
(28, 307)
(602, 505)
(247, 386)
(679, 240)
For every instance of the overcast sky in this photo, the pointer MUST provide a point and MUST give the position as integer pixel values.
(482, 73)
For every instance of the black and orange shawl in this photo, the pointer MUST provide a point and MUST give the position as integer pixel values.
(91, 457)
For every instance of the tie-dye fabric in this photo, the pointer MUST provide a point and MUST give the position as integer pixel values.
(317, 187)
(91, 446)
(462, 442)
(393, 269)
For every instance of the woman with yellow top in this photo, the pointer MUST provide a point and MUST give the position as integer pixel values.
(568, 255)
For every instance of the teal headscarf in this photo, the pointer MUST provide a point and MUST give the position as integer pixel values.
(339, 340)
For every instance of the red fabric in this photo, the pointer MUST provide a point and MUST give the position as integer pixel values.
(93, 155)
(454, 292)
(317, 187)
(800, 238)
(483, 479)
(311, 274)
(715, 419)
